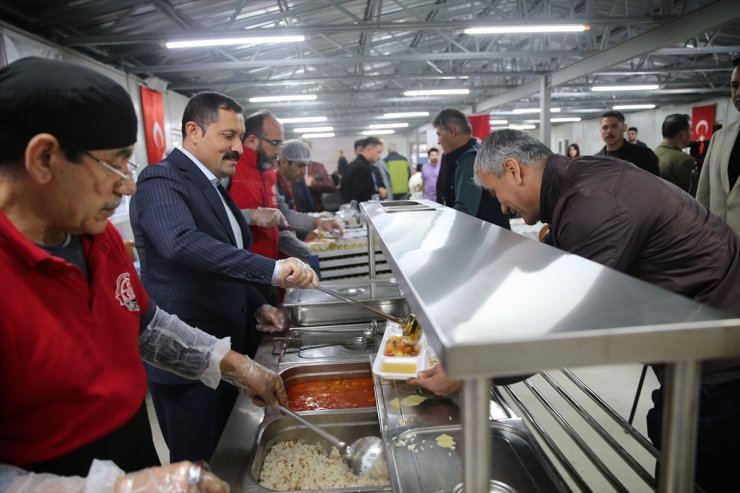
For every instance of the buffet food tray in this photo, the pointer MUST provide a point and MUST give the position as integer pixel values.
(309, 307)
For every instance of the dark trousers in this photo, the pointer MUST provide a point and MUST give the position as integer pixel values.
(718, 440)
(130, 447)
(192, 417)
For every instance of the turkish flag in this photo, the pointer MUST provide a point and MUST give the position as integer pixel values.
(153, 112)
(702, 122)
(481, 125)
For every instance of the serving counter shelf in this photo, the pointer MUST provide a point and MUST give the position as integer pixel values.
(493, 303)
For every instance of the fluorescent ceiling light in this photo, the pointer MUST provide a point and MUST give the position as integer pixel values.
(388, 125)
(437, 92)
(408, 114)
(499, 128)
(313, 129)
(271, 99)
(318, 135)
(634, 87)
(586, 110)
(522, 127)
(193, 43)
(564, 119)
(303, 119)
(522, 111)
(378, 132)
(553, 28)
(498, 122)
(633, 107)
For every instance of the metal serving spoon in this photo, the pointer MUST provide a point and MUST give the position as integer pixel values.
(365, 456)
(411, 328)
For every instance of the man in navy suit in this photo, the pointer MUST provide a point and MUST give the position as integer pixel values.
(193, 244)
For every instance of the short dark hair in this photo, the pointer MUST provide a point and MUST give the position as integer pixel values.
(371, 142)
(451, 117)
(632, 128)
(254, 124)
(359, 143)
(613, 113)
(674, 123)
(433, 149)
(203, 109)
(736, 60)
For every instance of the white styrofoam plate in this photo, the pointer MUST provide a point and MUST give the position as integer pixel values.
(402, 367)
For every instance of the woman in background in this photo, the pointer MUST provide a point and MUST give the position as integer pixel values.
(574, 151)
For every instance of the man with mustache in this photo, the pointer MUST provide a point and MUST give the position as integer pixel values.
(718, 183)
(612, 133)
(193, 242)
(76, 320)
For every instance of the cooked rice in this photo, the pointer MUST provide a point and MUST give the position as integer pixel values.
(292, 465)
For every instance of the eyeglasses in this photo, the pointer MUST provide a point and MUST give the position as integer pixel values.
(131, 167)
(273, 142)
(125, 176)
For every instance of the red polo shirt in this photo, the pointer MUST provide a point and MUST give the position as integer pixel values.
(70, 369)
(251, 188)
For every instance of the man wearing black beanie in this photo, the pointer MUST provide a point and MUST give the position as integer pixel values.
(76, 319)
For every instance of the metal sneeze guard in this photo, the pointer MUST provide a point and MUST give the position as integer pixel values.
(493, 303)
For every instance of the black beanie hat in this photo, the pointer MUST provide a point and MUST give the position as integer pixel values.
(69, 101)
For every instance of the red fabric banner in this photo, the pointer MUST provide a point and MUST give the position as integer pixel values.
(153, 113)
(481, 125)
(702, 122)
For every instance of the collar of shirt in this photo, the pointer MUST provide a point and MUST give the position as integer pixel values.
(200, 165)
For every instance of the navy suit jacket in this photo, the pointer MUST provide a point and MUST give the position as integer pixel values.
(190, 264)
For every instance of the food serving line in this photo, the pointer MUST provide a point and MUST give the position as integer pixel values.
(491, 304)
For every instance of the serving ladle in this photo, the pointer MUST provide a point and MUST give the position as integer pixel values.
(411, 328)
(365, 456)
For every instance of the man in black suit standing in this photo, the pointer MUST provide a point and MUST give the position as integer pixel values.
(193, 243)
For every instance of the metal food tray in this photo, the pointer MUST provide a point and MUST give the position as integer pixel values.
(309, 307)
(517, 464)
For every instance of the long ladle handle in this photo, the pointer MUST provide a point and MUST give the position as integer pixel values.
(399, 321)
(331, 438)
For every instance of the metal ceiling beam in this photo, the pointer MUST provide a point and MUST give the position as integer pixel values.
(697, 21)
(422, 57)
(366, 26)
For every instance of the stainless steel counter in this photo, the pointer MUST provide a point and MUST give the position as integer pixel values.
(493, 303)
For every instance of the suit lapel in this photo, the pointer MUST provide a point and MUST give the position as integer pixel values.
(211, 195)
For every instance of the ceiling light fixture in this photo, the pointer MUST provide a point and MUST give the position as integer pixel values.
(195, 43)
(633, 107)
(408, 114)
(565, 119)
(303, 119)
(437, 92)
(318, 135)
(633, 87)
(553, 28)
(498, 122)
(378, 132)
(388, 125)
(523, 111)
(313, 129)
(522, 127)
(272, 99)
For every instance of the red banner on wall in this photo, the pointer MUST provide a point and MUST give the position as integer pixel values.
(702, 122)
(153, 112)
(481, 125)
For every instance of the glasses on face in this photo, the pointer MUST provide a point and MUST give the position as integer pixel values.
(275, 143)
(131, 167)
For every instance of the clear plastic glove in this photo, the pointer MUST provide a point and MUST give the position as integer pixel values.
(330, 225)
(270, 319)
(180, 477)
(294, 273)
(436, 380)
(265, 387)
(266, 218)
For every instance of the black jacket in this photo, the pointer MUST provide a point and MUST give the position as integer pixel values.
(640, 156)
